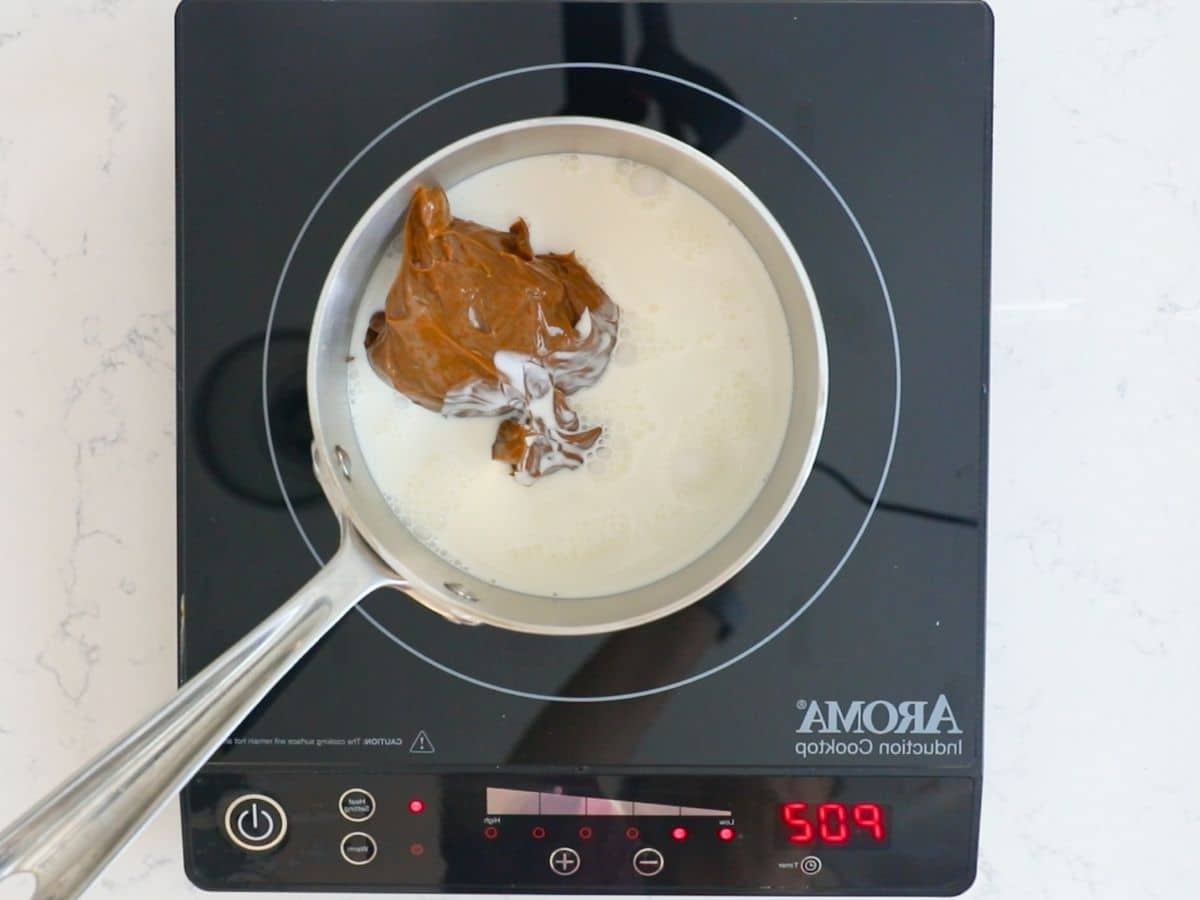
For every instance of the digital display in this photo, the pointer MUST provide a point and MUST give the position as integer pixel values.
(849, 825)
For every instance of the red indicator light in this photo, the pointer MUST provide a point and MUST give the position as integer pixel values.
(679, 833)
(416, 806)
(632, 833)
(585, 833)
(491, 832)
(538, 832)
(726, 834)
(416, 849)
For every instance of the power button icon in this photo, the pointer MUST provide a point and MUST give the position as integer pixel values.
(255, 822)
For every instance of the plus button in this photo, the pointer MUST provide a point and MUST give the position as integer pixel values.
(564, 861)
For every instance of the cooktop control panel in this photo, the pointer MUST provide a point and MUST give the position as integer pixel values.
(620, 833)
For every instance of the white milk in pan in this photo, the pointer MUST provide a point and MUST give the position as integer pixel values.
(694, 403)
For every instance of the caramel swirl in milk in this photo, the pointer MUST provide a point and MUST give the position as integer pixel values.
(476, 324)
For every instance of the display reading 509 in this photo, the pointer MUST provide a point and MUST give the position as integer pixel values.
(848, 825)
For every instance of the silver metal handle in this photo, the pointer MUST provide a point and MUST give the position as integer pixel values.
(70, 835)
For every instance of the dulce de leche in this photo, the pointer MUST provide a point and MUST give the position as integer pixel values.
(476, 324)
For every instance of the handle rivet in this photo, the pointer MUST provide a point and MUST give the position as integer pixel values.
(343, 459)
(460, 591)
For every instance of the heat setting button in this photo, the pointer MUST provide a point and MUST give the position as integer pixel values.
(356, 805)
(255, 822)
(648, 862)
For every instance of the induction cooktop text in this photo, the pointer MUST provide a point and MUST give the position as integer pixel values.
(875, 727)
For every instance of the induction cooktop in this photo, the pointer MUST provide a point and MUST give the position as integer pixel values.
(814, 726)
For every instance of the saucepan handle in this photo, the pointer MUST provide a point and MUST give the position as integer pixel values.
(70, 835)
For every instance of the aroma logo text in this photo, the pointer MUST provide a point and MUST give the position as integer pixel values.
(877, 717)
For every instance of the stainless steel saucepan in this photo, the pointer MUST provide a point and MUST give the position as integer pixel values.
(70, 835)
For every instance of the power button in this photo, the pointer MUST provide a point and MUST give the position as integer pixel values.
(255, 822)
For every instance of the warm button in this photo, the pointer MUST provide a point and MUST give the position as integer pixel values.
(358, 848)
(356, 805)
(255, 822)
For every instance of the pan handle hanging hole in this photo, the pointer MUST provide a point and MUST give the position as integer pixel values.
(343, 459)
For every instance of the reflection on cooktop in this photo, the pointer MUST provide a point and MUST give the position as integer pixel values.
(595, 32)
(228, 421)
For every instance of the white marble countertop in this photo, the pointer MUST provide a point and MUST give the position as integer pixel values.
(1094, 620)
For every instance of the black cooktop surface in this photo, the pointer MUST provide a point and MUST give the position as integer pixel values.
(852, 645)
